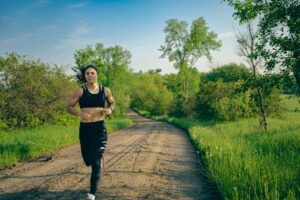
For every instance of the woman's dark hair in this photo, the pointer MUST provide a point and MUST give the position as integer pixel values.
(80, 75)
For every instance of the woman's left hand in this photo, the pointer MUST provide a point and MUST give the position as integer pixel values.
(107, 111)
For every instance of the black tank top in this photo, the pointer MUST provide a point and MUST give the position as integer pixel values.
(89, 100)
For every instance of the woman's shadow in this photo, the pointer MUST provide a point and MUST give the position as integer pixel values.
(44, 194)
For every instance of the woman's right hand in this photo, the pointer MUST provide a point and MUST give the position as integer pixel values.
(85, 116)
(92, 114)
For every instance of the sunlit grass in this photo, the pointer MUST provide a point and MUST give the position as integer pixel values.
(249, 164)
(27, 143)
(245, 162)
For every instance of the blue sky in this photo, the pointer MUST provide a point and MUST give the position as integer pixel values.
(51, 30)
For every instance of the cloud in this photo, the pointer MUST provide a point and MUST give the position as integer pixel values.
(14, 40)
(76, 38)
(22, 12)
(42, 2)
(226, 35)
(136, 49)
(4, 18)
(47, 28)
(77, 5)
(7, 20)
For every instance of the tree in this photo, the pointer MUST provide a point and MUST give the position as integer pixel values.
(279, 31)
(218, 100)
(288, 84)
(184, 48)
(228, 73)
(246, 48)
(150, 93)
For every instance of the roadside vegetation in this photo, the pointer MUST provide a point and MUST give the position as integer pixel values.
(244, 161)
(244, 118)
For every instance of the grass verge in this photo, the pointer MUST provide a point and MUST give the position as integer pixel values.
(245, 162)
(23, 144)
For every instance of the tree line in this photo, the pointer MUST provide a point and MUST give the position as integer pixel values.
(33, 92)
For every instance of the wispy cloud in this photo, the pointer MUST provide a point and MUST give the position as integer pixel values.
(226, 35)
(77, 5)
(15, 40)
(30, 8)
(136, 49)
(7, 20)
(47, 28)
(42, 2)
(76, 38)
(139, 20)
(22, 12)
(4, 18)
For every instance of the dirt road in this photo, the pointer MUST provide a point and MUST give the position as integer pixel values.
(149, 160)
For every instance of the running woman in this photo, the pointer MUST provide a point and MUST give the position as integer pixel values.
(92, 131)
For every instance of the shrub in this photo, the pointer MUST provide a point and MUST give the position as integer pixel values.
(219, 100)
(150, 94)
(32, 92)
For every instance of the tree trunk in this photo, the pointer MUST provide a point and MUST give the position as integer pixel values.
(185, 90)
(296, 72)
(263, 120)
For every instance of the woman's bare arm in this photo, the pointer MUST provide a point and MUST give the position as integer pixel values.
(72, 103)
(111, 101)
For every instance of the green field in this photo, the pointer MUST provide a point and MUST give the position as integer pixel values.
(247, 163)
(28, 143)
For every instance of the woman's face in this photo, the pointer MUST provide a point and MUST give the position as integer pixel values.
(91, 75)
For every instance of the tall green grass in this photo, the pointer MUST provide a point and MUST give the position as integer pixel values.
(28, 143)
(247, 163)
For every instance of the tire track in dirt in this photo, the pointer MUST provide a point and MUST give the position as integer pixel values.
(149, 160)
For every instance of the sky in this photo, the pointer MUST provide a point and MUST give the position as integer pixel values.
(52, 30)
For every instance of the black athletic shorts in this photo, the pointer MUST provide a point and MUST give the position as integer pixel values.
(93, 140)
